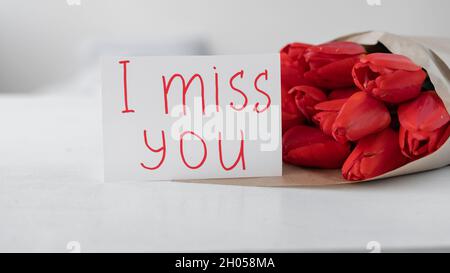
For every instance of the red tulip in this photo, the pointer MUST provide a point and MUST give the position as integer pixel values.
(306, 97)
(293, 65)
(331, 64)
(321, 55)
(289, 120)
(360, 116)
(290, 115)
(424, 124)
(309, 147)
(374, 155)
(327, 113)
(389, 77)
(342, 93)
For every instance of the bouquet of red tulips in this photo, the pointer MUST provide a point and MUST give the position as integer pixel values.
(365, 109)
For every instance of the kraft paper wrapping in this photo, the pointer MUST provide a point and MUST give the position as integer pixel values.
(433, 54)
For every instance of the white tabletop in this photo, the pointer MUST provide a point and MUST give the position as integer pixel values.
(51, 193)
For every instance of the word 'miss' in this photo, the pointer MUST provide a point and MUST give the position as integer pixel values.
(167, 85)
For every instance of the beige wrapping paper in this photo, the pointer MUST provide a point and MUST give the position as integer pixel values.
(433, 54)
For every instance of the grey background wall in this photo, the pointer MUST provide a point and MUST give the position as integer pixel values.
(45, 41)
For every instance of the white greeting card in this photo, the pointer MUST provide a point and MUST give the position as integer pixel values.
(191, 117)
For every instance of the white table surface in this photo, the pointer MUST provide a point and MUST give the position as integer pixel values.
(51, 193)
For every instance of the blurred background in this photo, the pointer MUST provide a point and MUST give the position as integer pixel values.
(51, 165)
(48, 41)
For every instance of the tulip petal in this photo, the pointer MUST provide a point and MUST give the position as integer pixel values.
(389, 77)
(288, 102)
(295, 50)
(328, 111)
(325, 120)
(374, 155)
(426, 113)
(360, 116)
(330, 105)
(309, 147)
(334, 75)
(337, 48)
(417, 144)
(399, 86)
(293, 64)
(363, 76)
(321, 55)
(289, 120)
(392, 61)
(292, 74)
(290, 114)
(306, 97)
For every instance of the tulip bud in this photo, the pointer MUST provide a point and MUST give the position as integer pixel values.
(331, 64)
(360, 116)
(327, 113)
(306, 97)
(374, 155)
(290, 115)
(389, 77)
(321, 55)
(309, 147)
(424, 124)
(293, 65)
